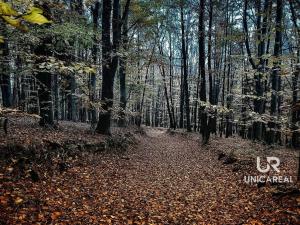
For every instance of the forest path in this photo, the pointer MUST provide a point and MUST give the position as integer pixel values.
(172, 179)
(180, 181)
(164, 179)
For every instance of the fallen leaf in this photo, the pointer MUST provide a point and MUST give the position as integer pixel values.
(10, 169)
(55, 215)
(18, 200)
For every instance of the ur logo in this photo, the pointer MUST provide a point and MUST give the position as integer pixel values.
(273, 162)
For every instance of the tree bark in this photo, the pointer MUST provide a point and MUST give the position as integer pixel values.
(104, 123)
(95, 13)
(122, 73)
(204, 128)
(275, 76)
(110, 59)
(245, 26)
(5, 83)
(44, 79)
(185, 72)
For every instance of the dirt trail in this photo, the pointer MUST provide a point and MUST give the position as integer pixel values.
(188, 183)
(167, 179)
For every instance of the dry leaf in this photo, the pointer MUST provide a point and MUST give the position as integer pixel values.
(55, 215)
(18, 200)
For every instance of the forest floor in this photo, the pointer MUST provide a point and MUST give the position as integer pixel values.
(161, 177)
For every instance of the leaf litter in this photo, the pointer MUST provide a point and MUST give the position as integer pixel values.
(162, 179)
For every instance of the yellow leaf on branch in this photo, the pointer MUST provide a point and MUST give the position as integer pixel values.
(10, 20)
(15, 23)
(35, 16)
(1, 39)
(35, 10)
(7, 10)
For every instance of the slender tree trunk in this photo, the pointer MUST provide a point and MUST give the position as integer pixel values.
(95, 13)
(17, 86)
(225, 63)
(171, 83)
(56, 96)
(275, 76)
(296, 110)
(196, 102)
(212, 117)
(247, 44)
(122, 73)
(294, 19)
(229, 98)
(185, 72)
(167, 99)
(209, 52)
(5, 83)
(140, 100)
(204, 128)
(181, 107)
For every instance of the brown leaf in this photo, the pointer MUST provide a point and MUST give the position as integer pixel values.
(55, 215)
(18, 200)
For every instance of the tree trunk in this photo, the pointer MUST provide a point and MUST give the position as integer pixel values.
(275, 76)
(185, 72)
(122, 73)
(295, 142)
(95, 13)
(110, 59)
(209, 46)
(181, 107)
(171, 83)
(45, 85)
(204, 127)
(104, 123)
(245, 26)
(5, 83)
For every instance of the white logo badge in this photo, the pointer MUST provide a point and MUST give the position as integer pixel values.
(273, 162)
